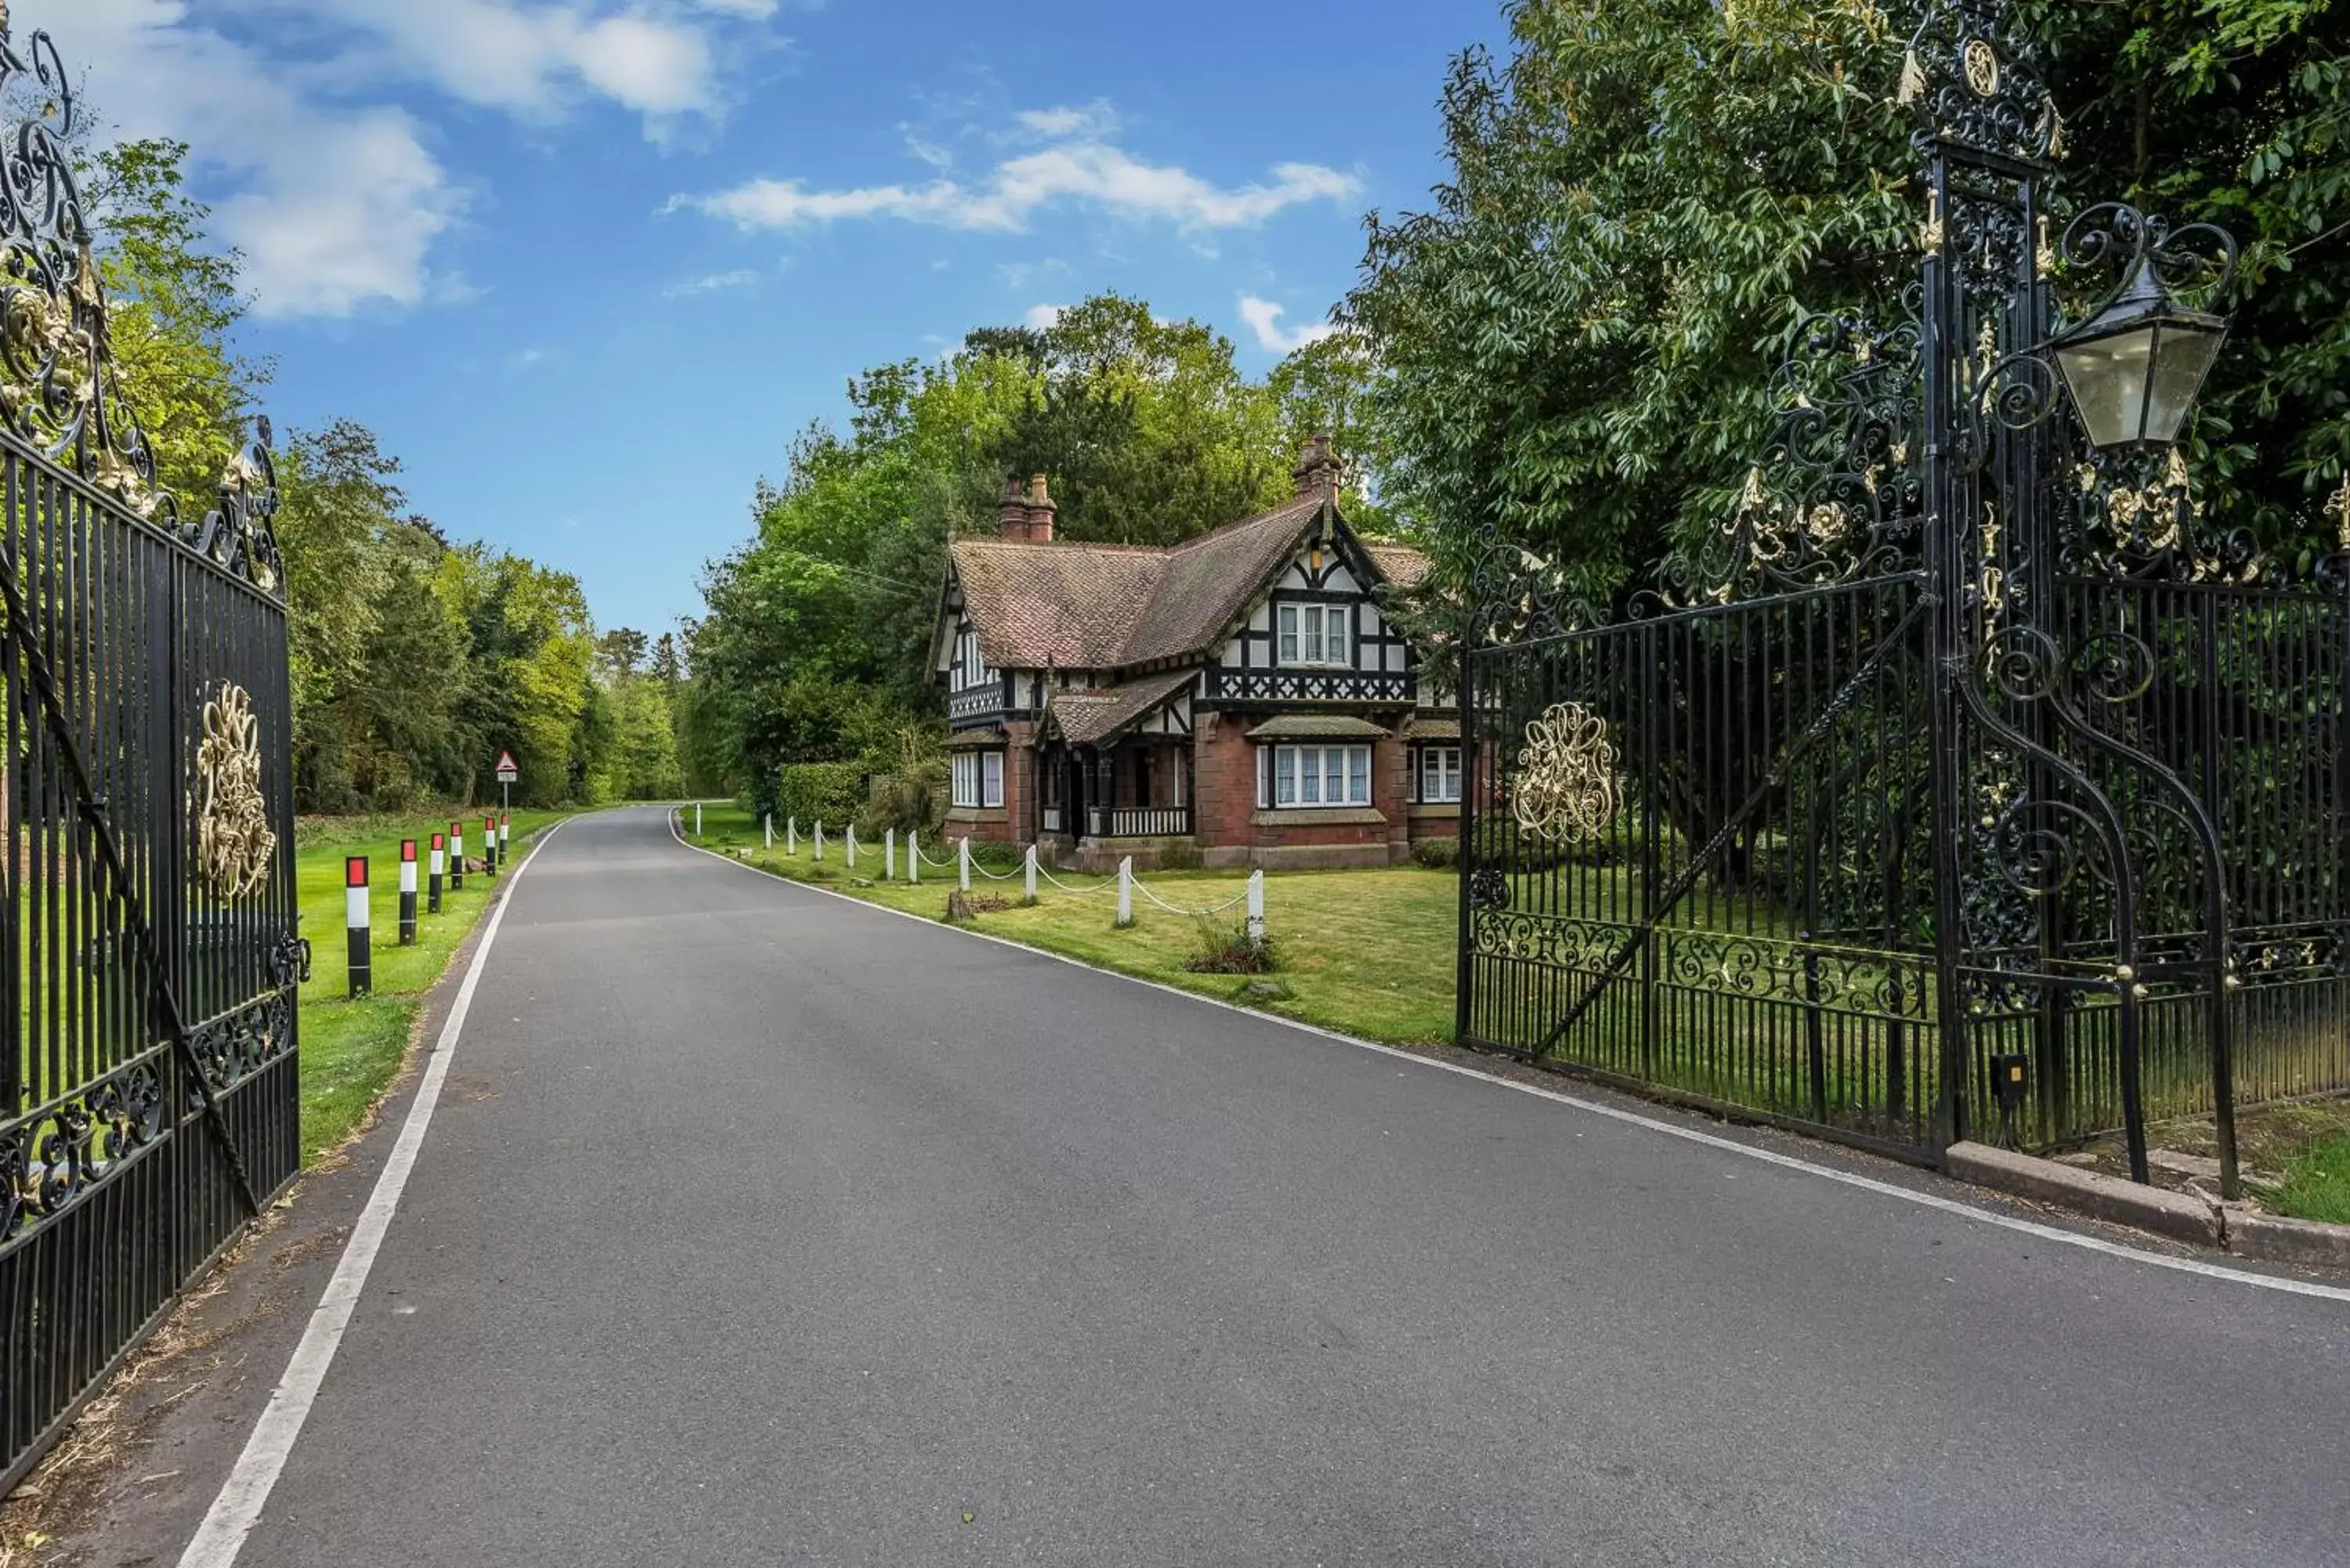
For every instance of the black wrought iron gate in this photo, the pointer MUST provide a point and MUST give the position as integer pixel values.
(1968, 785)
(149, 954)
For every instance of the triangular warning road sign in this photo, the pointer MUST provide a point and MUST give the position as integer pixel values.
(506, 762)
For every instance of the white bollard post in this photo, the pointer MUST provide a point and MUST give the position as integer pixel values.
(1126, 891)
(1031, 874)
(768, 831)
(697, 819)
(792, 836)
(963, 862)
(913, 855)
(852, 846)
(1256, 907)
(889, 855)
(819, 841)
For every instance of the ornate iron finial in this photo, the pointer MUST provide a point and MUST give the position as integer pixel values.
(1972, 75)
(2339, 510)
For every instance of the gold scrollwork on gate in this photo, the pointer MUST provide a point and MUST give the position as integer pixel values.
(233, 843)
(1982, 67)
(1567, 786)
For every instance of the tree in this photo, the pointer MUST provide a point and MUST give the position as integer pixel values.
(173, 303)
(1574, 341)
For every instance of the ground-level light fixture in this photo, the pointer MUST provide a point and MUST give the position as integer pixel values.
(2136, 367)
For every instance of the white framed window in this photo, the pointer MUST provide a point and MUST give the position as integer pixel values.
(965, 769)
(1439, 776)
(1313, 775)
(970, 667)
(991, 778)
(1314, 634)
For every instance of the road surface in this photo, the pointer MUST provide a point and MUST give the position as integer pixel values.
(757, 1227)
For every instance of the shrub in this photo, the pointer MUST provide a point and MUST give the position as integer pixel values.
(1438, 853)
(829, 793)
(1183, 855)
(1226, 947)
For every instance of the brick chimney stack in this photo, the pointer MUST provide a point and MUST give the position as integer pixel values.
(1041, 511)
(1012, 512)
(1317, 470)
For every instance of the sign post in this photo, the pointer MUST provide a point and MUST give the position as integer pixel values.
(508, 775)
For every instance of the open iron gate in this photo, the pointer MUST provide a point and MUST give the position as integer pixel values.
(149, 955)
(1969, 782)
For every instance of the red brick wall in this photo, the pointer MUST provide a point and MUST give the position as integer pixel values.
(1223, 782)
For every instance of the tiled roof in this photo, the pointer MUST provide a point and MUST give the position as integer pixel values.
(1429, 727)
(1316, 727)
(1399, 564)
(1085, 716)
(977, 740)
(1207, 581)
(1107, 607)
(1070, 606)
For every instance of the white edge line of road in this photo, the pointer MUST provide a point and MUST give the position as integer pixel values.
(237, 1508)
(1632, 1118)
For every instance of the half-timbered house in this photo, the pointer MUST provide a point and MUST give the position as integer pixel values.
(1242, 692)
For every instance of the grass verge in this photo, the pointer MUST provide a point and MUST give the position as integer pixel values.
(1367, 952)
(351, 1050)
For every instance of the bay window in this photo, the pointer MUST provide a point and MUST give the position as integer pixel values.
(1297, 777)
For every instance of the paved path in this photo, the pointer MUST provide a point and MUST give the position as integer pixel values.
(757, 1226)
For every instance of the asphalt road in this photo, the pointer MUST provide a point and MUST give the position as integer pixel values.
(759, 1227)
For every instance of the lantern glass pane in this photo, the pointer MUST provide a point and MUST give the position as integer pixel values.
(2107, 377)
(2182, 358)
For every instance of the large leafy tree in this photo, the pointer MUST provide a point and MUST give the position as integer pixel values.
(1575, 340)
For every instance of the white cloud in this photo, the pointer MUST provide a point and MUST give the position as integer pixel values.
(523, 359)
(530, 60)
(739, 278)
(333, 206)
(1095, 120)
(1264, 317)
(1042, 317)
(331, 191)
(1085, 170)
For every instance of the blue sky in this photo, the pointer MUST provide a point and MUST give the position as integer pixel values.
(585, 266)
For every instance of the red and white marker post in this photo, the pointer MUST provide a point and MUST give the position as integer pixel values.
(505, 834)
(355, 925)
(439, 868)
(490, 845)
(456, 856)
(407, 892)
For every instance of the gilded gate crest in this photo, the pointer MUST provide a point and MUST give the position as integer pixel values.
(233, 843)
(1566, 784)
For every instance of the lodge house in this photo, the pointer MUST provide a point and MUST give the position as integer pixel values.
(1241, 691)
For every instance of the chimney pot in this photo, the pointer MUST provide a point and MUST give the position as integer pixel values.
(1012, 512)
(1041, 510)
(1317, 468)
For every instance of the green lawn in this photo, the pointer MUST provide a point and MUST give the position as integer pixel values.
(351, 1050)
(2316, 1183)
(1370, 953)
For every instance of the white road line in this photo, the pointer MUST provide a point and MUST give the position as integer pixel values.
(1613, 1113)
(238, 1506)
